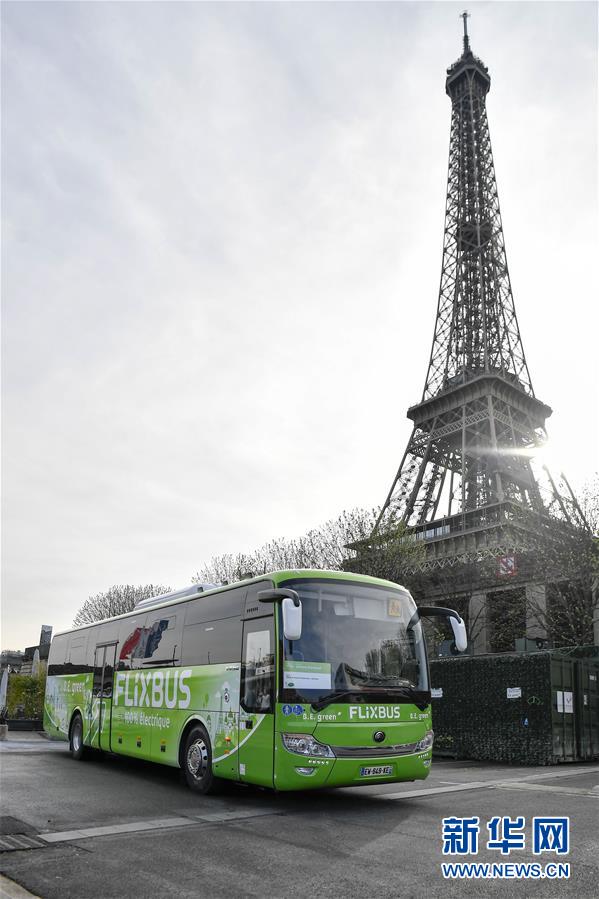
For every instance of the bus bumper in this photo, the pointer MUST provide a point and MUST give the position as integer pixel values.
(296, 772)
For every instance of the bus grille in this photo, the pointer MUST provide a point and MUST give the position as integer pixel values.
(373, 752)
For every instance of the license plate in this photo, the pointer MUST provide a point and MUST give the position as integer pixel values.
(378, 771)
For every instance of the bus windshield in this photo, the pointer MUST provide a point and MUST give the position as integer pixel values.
(355, 640)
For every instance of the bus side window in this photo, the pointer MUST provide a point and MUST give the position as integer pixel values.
(228, 604)
(192, 644)
(58, 653)
(212, 630)
(103, 671)
(257, 669)
(131, 642)
(222, 641)
(108, 672)
(212, 642)
(78, 654)
(90, 653)
(160, 643)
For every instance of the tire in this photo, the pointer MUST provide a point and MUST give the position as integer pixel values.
(76, 747)
(197, 762)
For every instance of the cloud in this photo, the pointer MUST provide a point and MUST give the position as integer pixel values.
(222, 245)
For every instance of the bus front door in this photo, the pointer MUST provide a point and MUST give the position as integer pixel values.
(100, 708)
(257, 697)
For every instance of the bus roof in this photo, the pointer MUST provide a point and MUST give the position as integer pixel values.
(278, 577)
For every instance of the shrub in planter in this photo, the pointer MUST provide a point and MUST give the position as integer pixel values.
(26, 695)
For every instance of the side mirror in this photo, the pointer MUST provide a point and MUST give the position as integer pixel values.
(277, 595)
(459, 633)
(292, 619)
(457, 624)
(291, 607)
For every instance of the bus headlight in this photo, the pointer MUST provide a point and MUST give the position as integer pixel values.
(305, 744)
(426, 742)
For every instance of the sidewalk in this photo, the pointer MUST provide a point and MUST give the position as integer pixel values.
(31, 741)
(11, 890)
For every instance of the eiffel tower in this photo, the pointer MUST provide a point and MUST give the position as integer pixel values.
(472, 484)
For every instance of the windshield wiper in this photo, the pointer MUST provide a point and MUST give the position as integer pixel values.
(331, 697)
(415, 696)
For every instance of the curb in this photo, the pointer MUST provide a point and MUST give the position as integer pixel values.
(11, 890)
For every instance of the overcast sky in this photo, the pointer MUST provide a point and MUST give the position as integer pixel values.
(222, 230)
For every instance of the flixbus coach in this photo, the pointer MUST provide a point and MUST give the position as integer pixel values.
(293, 680)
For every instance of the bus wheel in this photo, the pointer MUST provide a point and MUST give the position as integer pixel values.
(197, 761)
(76, 738)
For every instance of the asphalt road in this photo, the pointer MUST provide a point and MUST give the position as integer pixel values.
(118, 828)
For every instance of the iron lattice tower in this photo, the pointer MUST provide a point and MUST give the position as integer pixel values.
(469, 482)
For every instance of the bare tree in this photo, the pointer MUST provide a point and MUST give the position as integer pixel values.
(568, 609)
(571, 565)
(116, 601)
(332, 546)
(589, 503)
(566, 563)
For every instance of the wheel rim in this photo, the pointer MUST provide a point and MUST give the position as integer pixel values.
(197, 759)
(76, 736)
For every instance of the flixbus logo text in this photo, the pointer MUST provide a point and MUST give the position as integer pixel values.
(155, 689)
(378, 712)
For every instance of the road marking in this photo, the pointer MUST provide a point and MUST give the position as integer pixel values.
(547, 775)
(487, 784)
(84, 833)
(236, 815)
(434, 791)
(574, 791)
(65, 836)
(11, 842)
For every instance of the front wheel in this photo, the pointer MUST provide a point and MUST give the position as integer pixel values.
(197, 762)
(76, 746)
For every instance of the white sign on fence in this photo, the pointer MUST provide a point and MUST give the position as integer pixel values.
(514, 692)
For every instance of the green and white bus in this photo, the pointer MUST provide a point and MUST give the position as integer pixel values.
(291, 680)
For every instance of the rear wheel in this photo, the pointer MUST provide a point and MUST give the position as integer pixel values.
(76, 738)
(197, 761)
